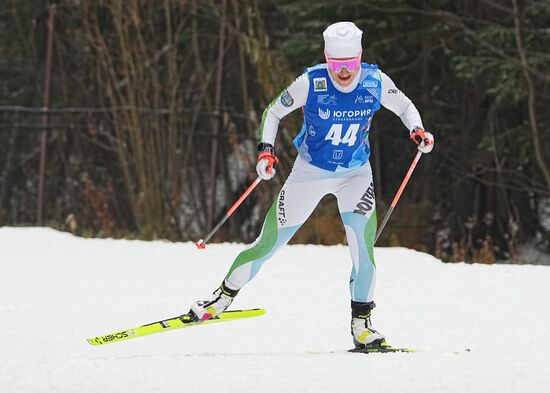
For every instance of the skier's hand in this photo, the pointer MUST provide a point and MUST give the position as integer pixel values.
(424, 139)
(266, 161)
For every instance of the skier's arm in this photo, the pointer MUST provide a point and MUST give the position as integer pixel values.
(291, 98)
(397, 102)
(394, 99)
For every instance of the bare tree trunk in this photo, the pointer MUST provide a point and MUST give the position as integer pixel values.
(531, 101)
(52, 9)
(6, 169)
(216, 121)
(243, 70)
(149, 58)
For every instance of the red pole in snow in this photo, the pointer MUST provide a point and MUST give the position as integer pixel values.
(202, 242)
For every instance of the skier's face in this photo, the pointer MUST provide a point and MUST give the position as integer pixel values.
(344, 77)
(344, 71)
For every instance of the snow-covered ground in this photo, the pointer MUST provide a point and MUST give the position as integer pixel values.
(56, 290)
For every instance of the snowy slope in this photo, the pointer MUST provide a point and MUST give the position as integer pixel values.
(56, 290)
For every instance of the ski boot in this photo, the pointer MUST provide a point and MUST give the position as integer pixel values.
(218, 303)
(364, 336)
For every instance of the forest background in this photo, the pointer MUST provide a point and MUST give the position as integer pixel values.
(139, 119)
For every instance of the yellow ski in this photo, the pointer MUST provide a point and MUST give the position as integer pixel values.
(164, 325)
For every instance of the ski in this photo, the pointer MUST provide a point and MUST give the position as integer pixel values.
(381, 348)
(182, 321)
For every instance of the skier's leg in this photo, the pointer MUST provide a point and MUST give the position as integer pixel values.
(275, 234)
(356, 202)
(293, 205)
(358, 211)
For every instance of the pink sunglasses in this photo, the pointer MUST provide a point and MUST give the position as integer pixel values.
(337, 65)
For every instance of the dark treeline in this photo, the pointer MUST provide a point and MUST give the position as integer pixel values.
(154, 109)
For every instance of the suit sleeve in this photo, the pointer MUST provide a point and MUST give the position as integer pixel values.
(290, 99)
(397, 102)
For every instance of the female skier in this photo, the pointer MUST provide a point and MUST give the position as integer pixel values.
(339, 99)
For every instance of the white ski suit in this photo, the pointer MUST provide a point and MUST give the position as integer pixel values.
(333, 159)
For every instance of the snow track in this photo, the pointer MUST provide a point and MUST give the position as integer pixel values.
(56, 290)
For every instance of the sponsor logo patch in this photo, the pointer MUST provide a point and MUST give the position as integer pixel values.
(351, 114)
(115, 336)
(324, 114)
(367, 201)
(369, 83)
(311, 131)
(364, 99)
(320, 84)
(286, 99)
(326, 99)
(281, 206)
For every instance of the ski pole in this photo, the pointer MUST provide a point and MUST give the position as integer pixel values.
(201, 243)
(398, 195)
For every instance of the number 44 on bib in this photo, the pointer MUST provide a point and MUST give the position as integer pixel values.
(334, 135)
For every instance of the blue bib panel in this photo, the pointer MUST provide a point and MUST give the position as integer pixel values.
(336, 125)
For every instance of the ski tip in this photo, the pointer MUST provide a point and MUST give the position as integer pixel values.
(201, 245)
(238, 314)
(252, 312)
(257, 311)
(94, 341)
